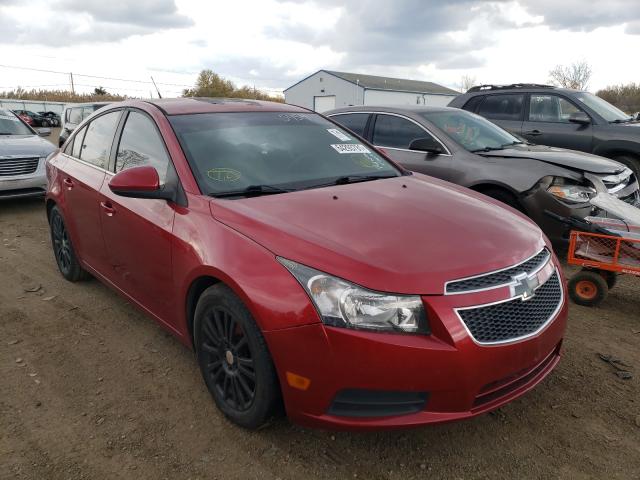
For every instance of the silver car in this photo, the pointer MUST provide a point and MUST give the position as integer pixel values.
(22, 157)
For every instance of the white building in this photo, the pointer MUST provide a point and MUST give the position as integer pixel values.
(327, 89)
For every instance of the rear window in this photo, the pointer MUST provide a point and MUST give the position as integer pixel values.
(229, 152)
(502, 107)
(472, 104)
(75, 115)
(356, 122)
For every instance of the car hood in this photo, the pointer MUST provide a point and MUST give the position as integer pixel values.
(24, 145)
(405, 235)
(560, 156)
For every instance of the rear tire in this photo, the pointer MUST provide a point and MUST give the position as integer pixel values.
(234, 359)
(63, 250)
(588, 288)
(632, 162)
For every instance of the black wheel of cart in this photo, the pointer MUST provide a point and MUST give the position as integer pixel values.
(588, 288)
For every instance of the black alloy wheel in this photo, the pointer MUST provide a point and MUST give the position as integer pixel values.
(234, 359)
(228, 360)
(63, 251)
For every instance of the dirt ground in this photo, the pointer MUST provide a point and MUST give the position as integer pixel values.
(91, 388)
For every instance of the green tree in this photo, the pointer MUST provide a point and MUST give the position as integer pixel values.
(210, 84)
(99, 91)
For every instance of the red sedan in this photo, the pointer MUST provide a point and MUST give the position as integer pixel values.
(305, 268)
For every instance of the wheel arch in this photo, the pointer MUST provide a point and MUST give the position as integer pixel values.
(195, 290)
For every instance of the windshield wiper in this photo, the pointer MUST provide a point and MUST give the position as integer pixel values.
(351, 179)
(252, 191)
(487, 149)
(622, 120)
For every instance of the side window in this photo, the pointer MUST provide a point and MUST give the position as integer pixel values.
(74, 116)
(472, 104)
(502, 107)
(77, 142)
(550, 108)
(99, 138)
(396, 132)
(356, 122)
(140, 145)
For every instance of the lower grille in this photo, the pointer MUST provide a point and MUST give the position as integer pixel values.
(377, 403)
(10, 167)
(514, 319)
(505, 386)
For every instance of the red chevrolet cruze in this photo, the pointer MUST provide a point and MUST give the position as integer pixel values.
(304, 267)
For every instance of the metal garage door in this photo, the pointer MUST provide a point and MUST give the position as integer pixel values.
(322, 104)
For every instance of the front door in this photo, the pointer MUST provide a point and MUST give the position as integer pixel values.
(548, 123)
(393, 134)
(138, 232)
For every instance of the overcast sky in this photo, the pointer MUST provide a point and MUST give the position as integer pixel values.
(274, 43)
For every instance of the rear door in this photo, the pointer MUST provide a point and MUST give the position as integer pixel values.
(394, 133)
(83, 175)
(548, 123)
(504, 109)
(138, 232)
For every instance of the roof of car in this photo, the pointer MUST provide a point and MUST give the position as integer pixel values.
(182, 106)
(86, 104)
(408, 109)
(529, 87)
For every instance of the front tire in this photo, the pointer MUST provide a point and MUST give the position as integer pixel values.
(63, 250)
(632, 162)
(234, 359)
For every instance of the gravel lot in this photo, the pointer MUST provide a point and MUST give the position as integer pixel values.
(91, 388)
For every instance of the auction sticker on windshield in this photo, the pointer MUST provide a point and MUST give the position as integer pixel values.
(350, 148)
(338, 134)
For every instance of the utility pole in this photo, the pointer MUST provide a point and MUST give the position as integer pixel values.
(154, 84)
(73, 89)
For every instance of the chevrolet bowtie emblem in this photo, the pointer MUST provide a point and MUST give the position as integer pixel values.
(524, 286)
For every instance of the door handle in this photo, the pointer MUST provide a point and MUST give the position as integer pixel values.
(533, 133)
(108, 208)
(68, 183)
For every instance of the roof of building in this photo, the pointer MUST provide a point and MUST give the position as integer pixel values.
(375, 82)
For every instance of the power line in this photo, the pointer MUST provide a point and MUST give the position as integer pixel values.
(92, 76)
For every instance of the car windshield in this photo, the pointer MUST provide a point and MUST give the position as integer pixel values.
(471, 131)
(271, 152)
(11, 125)
(602, 107)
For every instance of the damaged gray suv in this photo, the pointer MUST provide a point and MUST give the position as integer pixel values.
(466, 149)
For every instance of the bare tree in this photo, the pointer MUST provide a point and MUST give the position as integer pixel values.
(576, 75)
(467, 82)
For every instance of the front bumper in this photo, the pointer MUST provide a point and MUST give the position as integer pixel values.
(458, 377)
(540, 200)
(30, 185)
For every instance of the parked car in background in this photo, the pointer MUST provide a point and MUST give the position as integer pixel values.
(304, 267)
(22, 157)
(37, 120)
(559, 117)
(52, 118)
(468, 150)
(73, 115)
(24, 117)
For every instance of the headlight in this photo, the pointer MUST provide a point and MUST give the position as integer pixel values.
(571, 193)
(343, 304)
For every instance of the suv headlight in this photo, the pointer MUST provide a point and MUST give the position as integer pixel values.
(344, 304)
(571, 193)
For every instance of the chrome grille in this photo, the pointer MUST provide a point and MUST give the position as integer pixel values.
(10, 167)
(502, 277)
(514, 319)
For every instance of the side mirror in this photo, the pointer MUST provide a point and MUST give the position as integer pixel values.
(427, 144)
(139, 182)
(580, 117)
(43, 132)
